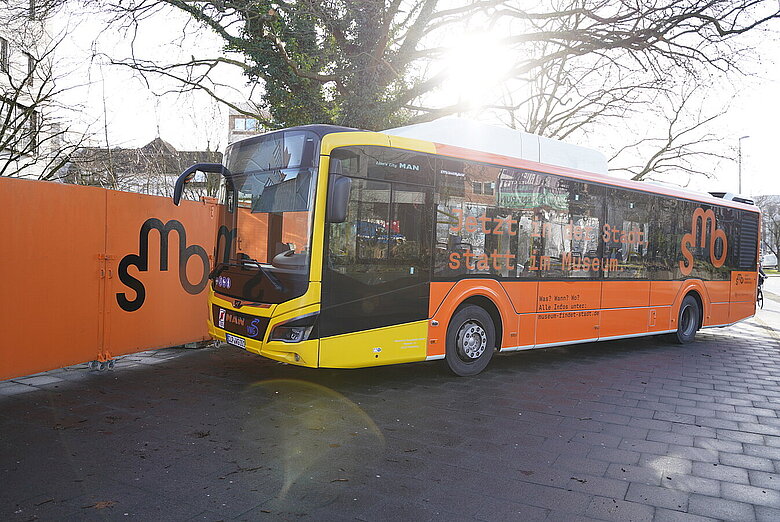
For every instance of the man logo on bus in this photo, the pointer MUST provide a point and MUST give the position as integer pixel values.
(707, 218)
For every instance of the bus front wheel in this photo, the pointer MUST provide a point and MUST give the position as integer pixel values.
(688, 320)
(471, 340)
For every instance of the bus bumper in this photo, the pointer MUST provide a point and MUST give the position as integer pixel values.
(304, 353)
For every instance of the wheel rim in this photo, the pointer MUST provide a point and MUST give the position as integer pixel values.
(471, 341)
(687, 323)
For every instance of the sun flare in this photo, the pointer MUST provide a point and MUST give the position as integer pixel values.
(476, 66)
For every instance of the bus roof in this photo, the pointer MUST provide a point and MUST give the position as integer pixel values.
(478, 141)
(466, 139)
(513, 143)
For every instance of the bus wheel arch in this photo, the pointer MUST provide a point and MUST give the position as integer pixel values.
(700, 302)
(689, 318)
(472, 336)
(490, 307)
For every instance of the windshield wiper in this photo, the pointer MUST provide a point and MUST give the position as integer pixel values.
(245, 262)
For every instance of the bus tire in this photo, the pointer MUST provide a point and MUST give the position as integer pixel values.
(687, 320)
(471, 341)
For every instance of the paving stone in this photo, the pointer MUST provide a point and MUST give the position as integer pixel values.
(729, 446)
(769, 440)
(657, 406)
(751, 494)
(696, 431)
(584, 465)
(598, 439)
(690, 484)
(719, 508)
(718, 405)
(505, 510)
(674, 417)
(677, 401)
(644, 446)
(720, 472)
(670, 437)
(614, 455)
(759, 412)
(631, 473)
(15, 388)
(658, 496)
(736, 417)
(40, 380)
(753, 427)
(551, 498)
(605, 487)
(764, 480)
(766, 514)
(651, 424)
(768, 452)
(666, 464)
(696, 454)
(631, 432)
(668, 515)
(746, 461)
(740, 436)
(712, 422)
(619, 510)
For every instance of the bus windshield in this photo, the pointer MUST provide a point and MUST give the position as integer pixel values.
(264, 239)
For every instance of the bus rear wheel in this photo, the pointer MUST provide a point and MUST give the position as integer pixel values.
(471, 340)
(687, 320)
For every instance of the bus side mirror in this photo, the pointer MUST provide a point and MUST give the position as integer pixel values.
(338, 198)
(189, 174)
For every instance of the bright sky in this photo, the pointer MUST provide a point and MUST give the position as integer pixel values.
(133, 116)
(755, 114)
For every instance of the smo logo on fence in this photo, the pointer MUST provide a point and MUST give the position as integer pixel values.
(141, 262)
(707, 218)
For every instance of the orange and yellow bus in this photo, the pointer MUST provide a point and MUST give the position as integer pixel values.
(341, 248)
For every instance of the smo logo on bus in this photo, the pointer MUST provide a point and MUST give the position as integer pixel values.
(707, 218)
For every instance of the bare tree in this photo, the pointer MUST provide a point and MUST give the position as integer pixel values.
(372, 64)
(651, 105)
(678, 142)
(571, 95)
(35, 133)
(770, 222)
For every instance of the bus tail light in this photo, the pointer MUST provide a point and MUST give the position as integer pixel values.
(296, 330)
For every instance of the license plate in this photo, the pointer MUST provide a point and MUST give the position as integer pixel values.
(236, 340)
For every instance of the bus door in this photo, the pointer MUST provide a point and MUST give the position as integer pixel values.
(376, 276)
(625, 296)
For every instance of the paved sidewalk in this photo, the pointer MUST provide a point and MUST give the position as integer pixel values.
(623, 430)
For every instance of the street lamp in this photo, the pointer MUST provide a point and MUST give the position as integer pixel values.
(739, 148)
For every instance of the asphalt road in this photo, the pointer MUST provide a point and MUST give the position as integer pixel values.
(623, 430)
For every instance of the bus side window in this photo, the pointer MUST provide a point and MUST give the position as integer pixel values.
(625, 234)
(567, 229)
(663, 244)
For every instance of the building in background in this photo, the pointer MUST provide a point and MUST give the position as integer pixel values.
(25, 75)
(151, 169)
(241, 126)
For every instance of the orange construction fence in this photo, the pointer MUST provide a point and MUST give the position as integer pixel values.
(90, 274)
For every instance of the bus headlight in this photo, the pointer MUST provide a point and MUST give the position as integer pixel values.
(296, 330)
